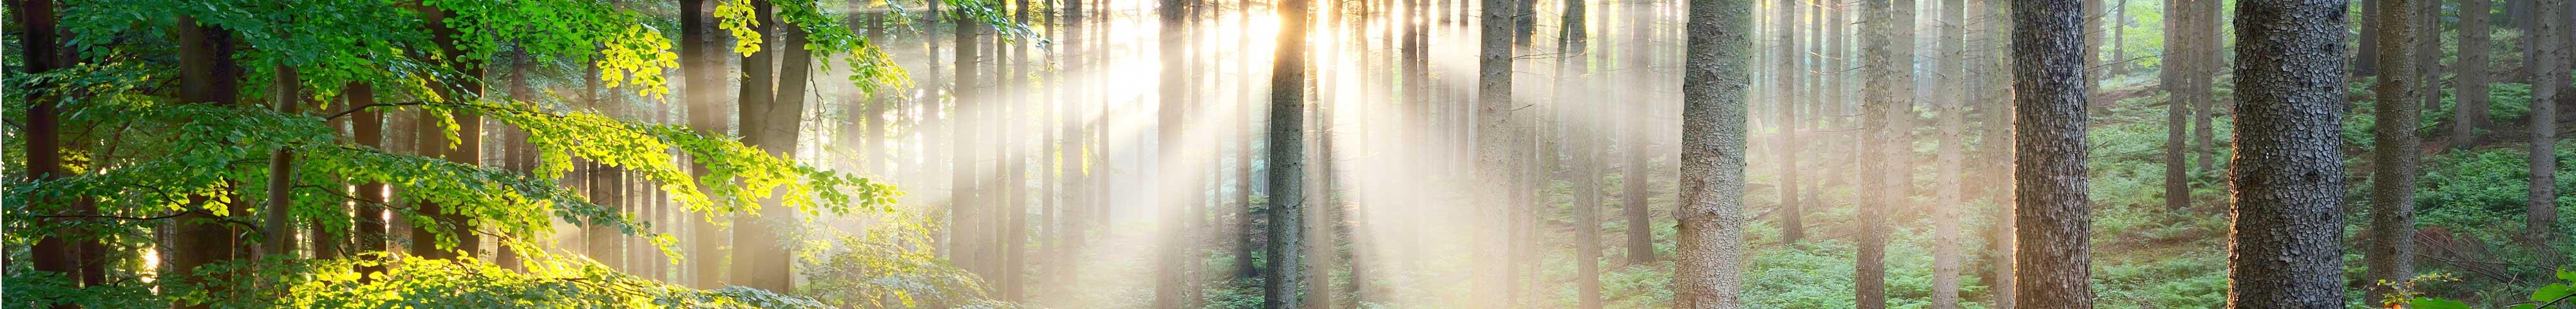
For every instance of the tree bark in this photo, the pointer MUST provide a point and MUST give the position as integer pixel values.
(1168, 288)
(2289, 177)
(1791, 215)
(1573, 43)
(1494, 149)
(1886, 54)
(1709, 273)
(2055, 216)
(1641, 246)
(2393, 156)
(1946, 231)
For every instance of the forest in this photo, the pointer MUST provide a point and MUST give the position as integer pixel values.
(1275, 154)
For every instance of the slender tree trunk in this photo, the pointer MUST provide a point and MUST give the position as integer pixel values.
(1641, 246)
(1946, 257)
(1494, 149)
(1791, 229)
(2287, 250)
(2393, 156)
(2176, 78)
(1886, 55)
(1997, 147)
(467, 149)
(1168, 287)
(1573, 42)
(279, 228)
(2469, 114)
(369, 130)
(2550, 35)
(2049, 100)
(703, 76)
(599, 242)
(1287, 160)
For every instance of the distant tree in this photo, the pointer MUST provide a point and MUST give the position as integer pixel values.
(2393, 155)
(1887, 57)
(1952, 112)
(1641, 246)
(2287, 250)
(2469, 114)
(1791, 229)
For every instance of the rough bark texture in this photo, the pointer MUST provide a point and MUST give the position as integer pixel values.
(2055, 216)
(2469, 114)
(1287, 160)
(2287, 250)
(2393, 156)
(1708, 273)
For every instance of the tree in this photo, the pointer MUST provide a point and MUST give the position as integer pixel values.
(1168, 288)
(1888, 58)
(41, 46)
(1791, 215)
(2049, 176)
(701, 72)
(1494, 135)
(1952, 110)
(2469, 114)
(2175, 78)
(1571, 74)
(2551, 39)
(1711, 208)
(2286, 250)
(1287, 161)
(1641, 246)
(2393, 155)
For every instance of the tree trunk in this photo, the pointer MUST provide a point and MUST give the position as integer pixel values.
(1641, 246)
(2176, 78)
(40, 43)
(1709, 273)
(2287, 250)
(1886, 54)
(772, 106)
(1573, 42)
(467, 149)
(2469, 114)
(278, 227)
(2393, 156)
(1287, 159)
(703, 74)
(208, 74)
(1494, 149)
(2550, 34)
(1791, 229)
(2049, 95)
(1168, 288)
(1946, 258)
(369, 129)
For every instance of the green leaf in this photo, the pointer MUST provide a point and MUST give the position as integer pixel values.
(2436, 303)
(2551, 292)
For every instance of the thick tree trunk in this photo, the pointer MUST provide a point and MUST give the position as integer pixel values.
(40, 43)
(2469, 114)
(772, 106)
(2287, 250)
(2049, 98)
(2393, 156)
